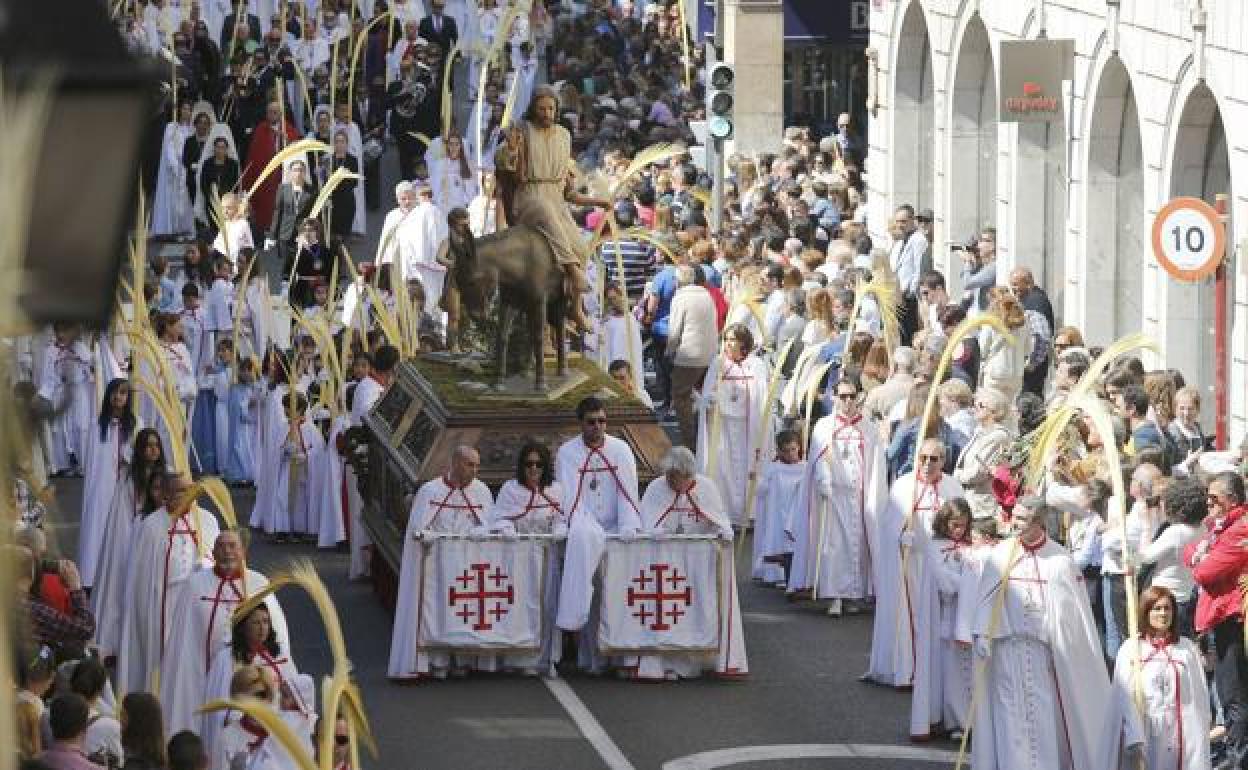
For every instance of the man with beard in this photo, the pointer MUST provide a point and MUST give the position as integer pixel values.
(545, 187)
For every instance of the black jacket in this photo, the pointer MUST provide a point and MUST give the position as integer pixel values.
(287, 214)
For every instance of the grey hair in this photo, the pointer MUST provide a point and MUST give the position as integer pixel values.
(903, 359)
(463, 451)
(685, 276)
(404, 187)
(996, 402)
(680, 460)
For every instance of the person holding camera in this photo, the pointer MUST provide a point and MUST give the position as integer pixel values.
(67, 633)
(979, 271)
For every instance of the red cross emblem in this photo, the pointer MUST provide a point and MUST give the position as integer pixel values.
(664, 610)
(480, 602)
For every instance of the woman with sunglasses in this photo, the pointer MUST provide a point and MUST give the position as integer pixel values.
(530, 504)
(1160, 710)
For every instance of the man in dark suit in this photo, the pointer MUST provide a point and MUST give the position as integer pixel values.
(294, 203)
(370, 114)
(439, 28)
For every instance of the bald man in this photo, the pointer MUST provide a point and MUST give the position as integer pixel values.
(456, 502)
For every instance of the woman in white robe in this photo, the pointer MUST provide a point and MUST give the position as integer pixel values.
(329, 473)
(732, 405)
(271, 431)
(682, 502)
(255, 641)
(242, 742)
(529, 505)
(1160, 704)
(621, 338)
(172, 213)
(109, 601)
(107, 466)
(452, 176)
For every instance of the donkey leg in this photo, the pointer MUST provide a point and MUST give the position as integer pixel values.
(537, 332)
(502, 333)
(561, 349)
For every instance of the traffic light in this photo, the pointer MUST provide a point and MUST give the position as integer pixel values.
(719, 102)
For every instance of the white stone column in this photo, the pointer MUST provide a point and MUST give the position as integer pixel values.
(754, 45)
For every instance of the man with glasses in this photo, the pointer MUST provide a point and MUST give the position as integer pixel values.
(905, 529)
(598, 476)
(458, 502)
(845, 488)
(1218, 561)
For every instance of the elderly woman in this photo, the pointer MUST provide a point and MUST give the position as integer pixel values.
(682, 502)
(983, 452)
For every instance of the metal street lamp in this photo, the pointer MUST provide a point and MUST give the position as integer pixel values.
(85, 185)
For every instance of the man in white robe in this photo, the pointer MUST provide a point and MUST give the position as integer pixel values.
(409, 240)
(734, 421)
(1045, 687)
(598, 475)
(366, 394)
(66, 381)
(837, 510)
(458, 502)
(681, 502)
(169, 544)
(201, 628)
(905, 526)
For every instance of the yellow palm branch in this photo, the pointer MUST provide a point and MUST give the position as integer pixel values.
(295, 148)
(270, 720)
(338, 177)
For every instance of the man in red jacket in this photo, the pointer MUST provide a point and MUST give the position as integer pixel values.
(1217, 561)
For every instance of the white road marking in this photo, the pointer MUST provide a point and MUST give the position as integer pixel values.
(708, 760)
(588, 725)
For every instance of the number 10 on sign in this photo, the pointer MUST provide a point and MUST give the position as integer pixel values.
(1189, 239)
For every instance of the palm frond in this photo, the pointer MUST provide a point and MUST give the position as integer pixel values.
(1124, 345)
(448, 107)
(338, 177)
(357, 48)
(293, 149)
(270, 720)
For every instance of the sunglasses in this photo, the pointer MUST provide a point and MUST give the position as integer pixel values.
(930, 458)
(847, 396)
(341, 740)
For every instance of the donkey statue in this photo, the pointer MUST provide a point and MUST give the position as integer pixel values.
(520, 264)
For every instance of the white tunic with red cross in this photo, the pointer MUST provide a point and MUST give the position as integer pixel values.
(600, 481)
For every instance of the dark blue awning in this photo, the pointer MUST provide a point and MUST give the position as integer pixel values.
(827, 21)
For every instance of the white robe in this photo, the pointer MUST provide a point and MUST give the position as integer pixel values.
(524, 511)
(778, 487)
(438, 507)
(67, 381)
(942, 679)
(837, 511)
(450, 187)
(328, 476)
(298, 711)
(172, 213)
(409, 240)
(294, 487)
(107, 467)
(697, 511)
(271, 431)
(367, 392)
(1045, 681)
(896, 633)
(734, 428)
(110, 601)
(621, 340)
(1175, 699)
(166, 550)
(201, 629)
(599, 498)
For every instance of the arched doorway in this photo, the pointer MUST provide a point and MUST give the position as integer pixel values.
(1040, 198)
(973, 137)
(1114, 212)
(1200, 169)
(914, 114)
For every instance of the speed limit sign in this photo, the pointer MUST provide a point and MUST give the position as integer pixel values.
(1188, 239)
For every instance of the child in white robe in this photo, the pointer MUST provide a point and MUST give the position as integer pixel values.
(107, 468)
(778, 486)
(301, 450)
(243, 411)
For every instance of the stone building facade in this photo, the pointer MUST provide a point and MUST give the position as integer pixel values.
(1159, 87)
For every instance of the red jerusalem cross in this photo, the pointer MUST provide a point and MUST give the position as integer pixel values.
(662, 612)
(479, 616)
